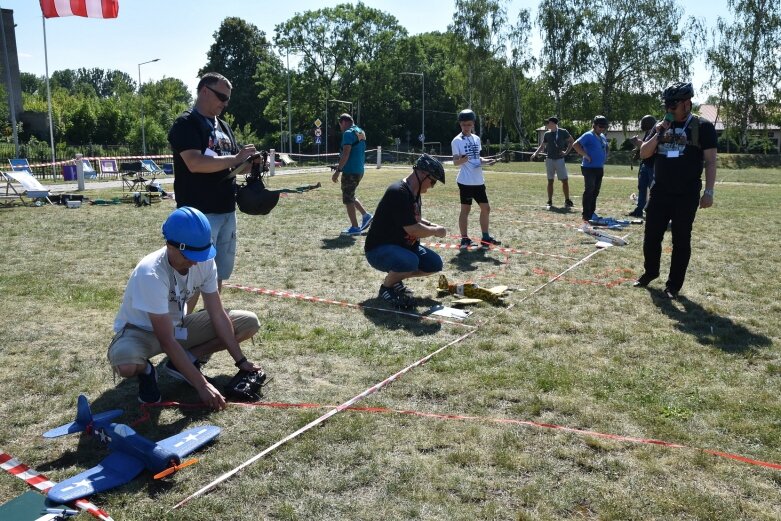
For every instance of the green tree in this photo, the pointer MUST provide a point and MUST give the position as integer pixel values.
(746, 64)
(31, 84)
(238, 48)
(565, 46)
(346, 52)
(637, 49)
(480, 29)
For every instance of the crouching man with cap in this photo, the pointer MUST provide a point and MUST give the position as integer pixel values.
(393, 243)
(153, 316)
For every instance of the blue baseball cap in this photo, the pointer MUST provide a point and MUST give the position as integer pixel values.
(189, 230)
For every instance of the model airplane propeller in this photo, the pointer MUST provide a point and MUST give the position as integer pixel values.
(131, 453)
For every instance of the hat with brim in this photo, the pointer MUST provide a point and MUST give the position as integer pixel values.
(552, 119)
(188, 230)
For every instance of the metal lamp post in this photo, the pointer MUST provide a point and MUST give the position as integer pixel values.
(422, 107)
(141, 101)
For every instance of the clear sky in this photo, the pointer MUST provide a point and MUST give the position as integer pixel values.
(179, 32)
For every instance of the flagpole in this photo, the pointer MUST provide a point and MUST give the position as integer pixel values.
(49, 97)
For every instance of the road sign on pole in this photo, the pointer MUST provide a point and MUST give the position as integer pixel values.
(299, 138)
(318, 123)
(317, 140)
(421, 138)
(318, 132)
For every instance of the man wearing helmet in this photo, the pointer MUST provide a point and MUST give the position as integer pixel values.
(393, 242)
(153, 318)
(683, 145)
(645, 173)
(471, 183)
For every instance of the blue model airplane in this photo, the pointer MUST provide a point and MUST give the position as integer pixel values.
(131, 454)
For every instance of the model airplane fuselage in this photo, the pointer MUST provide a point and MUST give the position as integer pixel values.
(130, 452)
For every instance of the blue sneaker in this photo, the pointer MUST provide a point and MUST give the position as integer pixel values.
(367, 220)
(352, 230)
(148, 391)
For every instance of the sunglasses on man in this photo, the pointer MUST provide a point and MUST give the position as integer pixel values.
(220, 96)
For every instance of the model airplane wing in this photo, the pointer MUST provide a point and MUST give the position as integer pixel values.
(115, 470)
(190, 440)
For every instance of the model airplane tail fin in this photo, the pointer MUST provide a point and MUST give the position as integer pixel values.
(84, 418)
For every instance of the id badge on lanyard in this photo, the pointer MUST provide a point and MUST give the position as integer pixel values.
(180, 332)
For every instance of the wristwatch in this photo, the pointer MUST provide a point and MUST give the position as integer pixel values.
(708, 191)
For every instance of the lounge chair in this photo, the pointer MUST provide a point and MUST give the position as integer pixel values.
(30, 187)
(89, 172)
(108, 167)
(149, 166)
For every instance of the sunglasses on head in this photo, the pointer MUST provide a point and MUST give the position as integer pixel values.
(220, 96)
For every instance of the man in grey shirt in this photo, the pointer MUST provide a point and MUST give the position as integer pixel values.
(557, 142)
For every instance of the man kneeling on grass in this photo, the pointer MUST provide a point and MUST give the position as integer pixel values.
(393, 242)
(153, 316)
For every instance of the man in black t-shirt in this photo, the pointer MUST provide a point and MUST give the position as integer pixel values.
(683, 144)
(205, 152)
(393, 242)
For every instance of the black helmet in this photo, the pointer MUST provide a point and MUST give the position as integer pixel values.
(431, 166)
(467, 115)
(678, 92)
(647, 123)
(255, 199)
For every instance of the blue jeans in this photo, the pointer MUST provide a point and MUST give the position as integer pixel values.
(394, 258)
(645, 177)
(224, 238)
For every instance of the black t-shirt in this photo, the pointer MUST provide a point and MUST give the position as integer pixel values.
(679, 162)
(397, 208)
(210, 193)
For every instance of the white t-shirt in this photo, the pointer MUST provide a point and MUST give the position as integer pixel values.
(155, 287)
(471, 172)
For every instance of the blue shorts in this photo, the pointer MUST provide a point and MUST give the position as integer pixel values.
(224, 238)
(390, 257)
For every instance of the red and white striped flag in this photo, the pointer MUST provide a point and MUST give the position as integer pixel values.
(85, 8)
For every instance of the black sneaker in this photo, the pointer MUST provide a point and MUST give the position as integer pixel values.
(398, 300)
(549, 204)
(635, 213)
(568, 203)
(173, 372)
(400, 288)
(643, 281)
(487, 242)
(670, 294)
(466, 242)
(148, 391)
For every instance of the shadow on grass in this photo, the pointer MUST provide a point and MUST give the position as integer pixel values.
(391, 320)
(335, 243)
(559, 210)
(708, 328)
(469, 260)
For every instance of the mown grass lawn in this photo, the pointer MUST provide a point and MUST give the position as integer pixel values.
(586, 351)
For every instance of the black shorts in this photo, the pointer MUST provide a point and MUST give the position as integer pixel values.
(469, 192)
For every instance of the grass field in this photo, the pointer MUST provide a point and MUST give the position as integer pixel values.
(586, 351)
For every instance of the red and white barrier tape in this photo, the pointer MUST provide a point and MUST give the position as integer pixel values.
(300, 296)
(452, 246)
(96, 158)
(464, 417)
(371, 390)
(41, 483)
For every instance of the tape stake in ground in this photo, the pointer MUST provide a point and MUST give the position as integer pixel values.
(41, 483)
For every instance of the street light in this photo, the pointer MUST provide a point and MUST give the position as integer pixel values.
(140, 99)
(422, 107)
(281, 132)
(326, 118)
